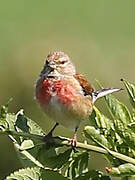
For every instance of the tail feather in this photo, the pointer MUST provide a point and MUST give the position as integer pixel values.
(103, 92)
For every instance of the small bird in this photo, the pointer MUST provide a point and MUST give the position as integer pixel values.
(64, 95)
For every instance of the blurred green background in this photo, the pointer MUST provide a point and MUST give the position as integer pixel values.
(99, 36)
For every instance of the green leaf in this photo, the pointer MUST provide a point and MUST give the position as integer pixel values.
(21, 123)
(35, 173)
(50, 159)
(131, 91)
(3, 116)
(119, 112)
(104, 125)
(106, 133)
(11, 120)
(94, 134)
(27, 173)
(78, 164)
(132, 126)
(32, 151)
(27, 144)
(110, 139)
(124, 136)
(3, 125)
(4, 109)
(50, 175)
(100, 121)
(92, 175)
(128, 138)
(24, 124)
(122, 170)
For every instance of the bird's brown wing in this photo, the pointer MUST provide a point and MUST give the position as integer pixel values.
(86, 86)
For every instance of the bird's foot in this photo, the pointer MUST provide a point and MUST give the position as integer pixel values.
(49, 137)
(73, 142)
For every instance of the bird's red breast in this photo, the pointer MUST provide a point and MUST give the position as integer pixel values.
(43, 94)
(46, 89)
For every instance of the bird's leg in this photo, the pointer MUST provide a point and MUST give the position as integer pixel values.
(74, 139)
(49, 135)
(51, 131)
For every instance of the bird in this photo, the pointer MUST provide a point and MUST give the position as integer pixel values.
(66, 96)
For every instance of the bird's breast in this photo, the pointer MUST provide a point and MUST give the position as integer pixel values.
(43, 93)
(64, 92)
(60, 89)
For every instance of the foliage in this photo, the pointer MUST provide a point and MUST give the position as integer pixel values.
(115, 137)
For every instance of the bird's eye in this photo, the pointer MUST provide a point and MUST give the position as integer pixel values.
(63, 62)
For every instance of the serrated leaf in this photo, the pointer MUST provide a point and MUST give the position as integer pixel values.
(78, 164)
(49, 158)
(122, 170)
(36, 151)
(50, 175)
(93, 175)
(29, 173)
(105, 130)
(24, 124)
(100, 120)
(27, 144)
(131, 91)
(129, 139)
(35, 173)
(119, 112)
(94, 134)
(21, 123)
(122, 118)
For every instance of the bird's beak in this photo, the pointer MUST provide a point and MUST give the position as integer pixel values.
(46, 70)
(52, 65)
(49, 67)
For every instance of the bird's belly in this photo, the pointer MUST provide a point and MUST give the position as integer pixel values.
(63, 114)
(69, 116)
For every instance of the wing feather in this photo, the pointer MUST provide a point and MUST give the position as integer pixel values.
(86, 86)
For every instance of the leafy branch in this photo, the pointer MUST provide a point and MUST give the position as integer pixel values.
(61, 141)
(114, 138)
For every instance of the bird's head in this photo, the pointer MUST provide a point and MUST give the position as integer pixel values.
(58, 63)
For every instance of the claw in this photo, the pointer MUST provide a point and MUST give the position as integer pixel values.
(48, 138)
(73, 141)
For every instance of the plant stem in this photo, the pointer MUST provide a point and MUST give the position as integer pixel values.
(102, 151)
(28, 135)
(28, 155)
(61, 141)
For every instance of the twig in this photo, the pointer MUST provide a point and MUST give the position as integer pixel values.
(61, 141)
(18, 134)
